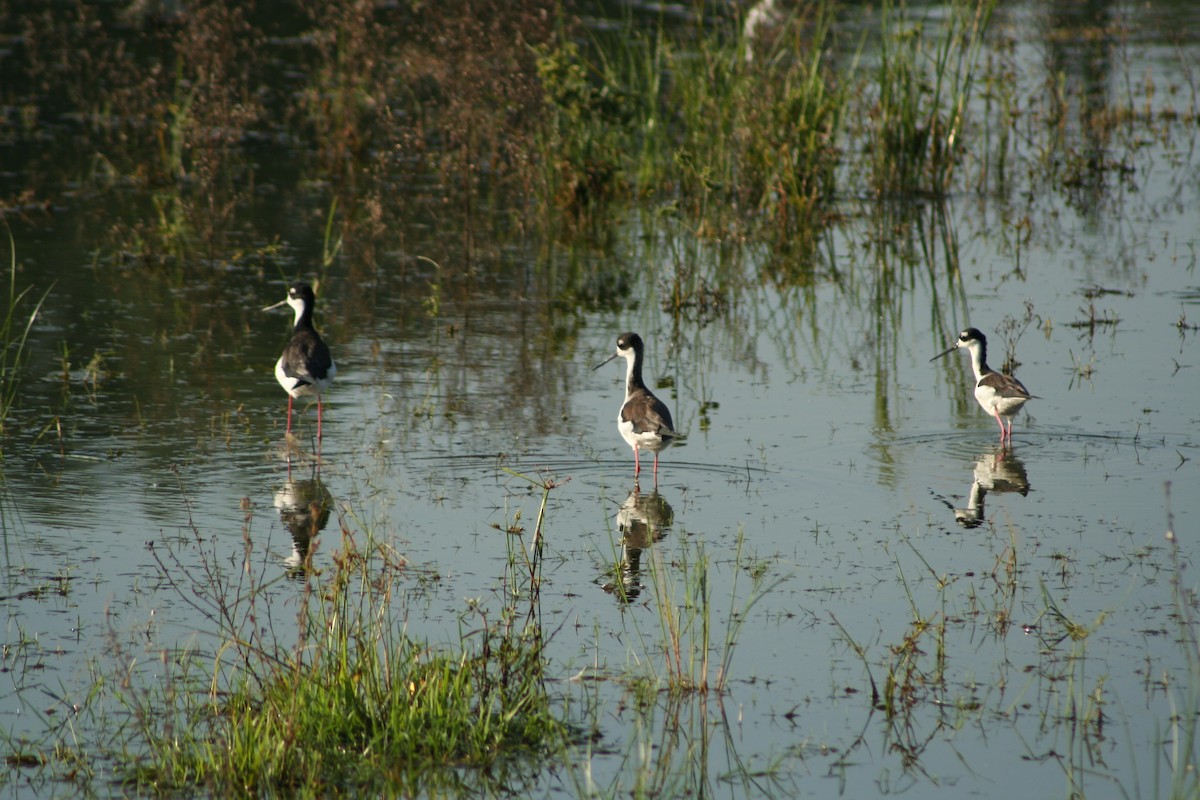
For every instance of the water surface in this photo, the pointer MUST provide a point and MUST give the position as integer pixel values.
(862, 480)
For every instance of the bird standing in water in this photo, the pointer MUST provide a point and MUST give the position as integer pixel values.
(644, 421)
(1000, 395)
(305, 368)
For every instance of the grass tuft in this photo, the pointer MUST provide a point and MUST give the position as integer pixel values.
(354, 705)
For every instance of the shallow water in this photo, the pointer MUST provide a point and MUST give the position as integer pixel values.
(862, 479)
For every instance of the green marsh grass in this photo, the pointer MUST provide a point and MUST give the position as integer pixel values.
(682, 118)
(736, 145)
(14, 332)
(694, 650)
(679, 684)
(1179, 738)
(738, 134)
(587, 127)
(526, 110)
(354, 704)
(756, 139)
(924, 86)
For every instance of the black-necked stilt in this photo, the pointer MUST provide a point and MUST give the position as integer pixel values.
(1000, 395)
(644, 421)
(306, 368)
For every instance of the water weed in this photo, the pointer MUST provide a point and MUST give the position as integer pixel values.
(924, 86)
(14, 332)
(1179, 739)
(675, 693)
(695, 655)
(728, 144)
(683, 745)
(588, 125)
(354, 702)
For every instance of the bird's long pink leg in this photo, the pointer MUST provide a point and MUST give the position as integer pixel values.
(656, 470)
(320, 414)
(289, 422)
(999, 422)
(637, 464)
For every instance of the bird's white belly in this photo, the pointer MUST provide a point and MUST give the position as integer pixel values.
(646, 440)
(299, 388)
(993, 403)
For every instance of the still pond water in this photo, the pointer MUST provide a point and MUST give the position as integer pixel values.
(860, 479)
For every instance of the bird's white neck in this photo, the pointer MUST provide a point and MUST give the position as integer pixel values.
(633, 374)
(978, 360)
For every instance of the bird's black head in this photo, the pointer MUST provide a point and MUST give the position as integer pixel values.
(971, 334)
(629, 340)
(301, 291)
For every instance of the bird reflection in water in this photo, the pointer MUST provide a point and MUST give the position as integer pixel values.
(996, 472)
(643, 520)
(304, 507)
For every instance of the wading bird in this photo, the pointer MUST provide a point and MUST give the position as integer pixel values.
(1000, 395)
(644, 421)
(306, 368)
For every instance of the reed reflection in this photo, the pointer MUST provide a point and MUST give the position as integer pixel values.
(643, 520)
(304, 507)
(998, 471)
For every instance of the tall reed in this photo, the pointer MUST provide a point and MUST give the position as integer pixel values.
(14, 333)
(697, 654)
(1179, 738)
(922, 87)
(683, 117)
(757, 138)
